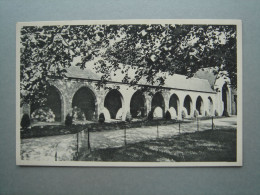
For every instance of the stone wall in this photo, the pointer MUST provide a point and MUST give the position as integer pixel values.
(68, 87)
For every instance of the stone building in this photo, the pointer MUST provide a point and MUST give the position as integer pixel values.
(206, 94)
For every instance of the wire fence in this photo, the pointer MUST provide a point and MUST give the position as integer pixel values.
(88, 140)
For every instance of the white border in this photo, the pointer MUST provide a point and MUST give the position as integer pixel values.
(238, 23)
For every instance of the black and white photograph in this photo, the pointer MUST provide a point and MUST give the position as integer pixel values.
(149, 93)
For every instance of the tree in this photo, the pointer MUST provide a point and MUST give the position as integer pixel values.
(182, 49)
(153, 51)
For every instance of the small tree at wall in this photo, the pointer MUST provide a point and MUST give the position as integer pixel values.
(128, 117)
(68, 120)
(168, 115)
(150, 116)
(101, 118)
(25, 122)
(196, 113)
(183, 114)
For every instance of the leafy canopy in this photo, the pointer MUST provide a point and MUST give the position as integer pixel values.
(47, 51)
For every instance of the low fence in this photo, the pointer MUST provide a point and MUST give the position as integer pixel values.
(89, 139)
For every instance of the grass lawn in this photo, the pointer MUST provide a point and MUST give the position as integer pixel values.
(204, 146)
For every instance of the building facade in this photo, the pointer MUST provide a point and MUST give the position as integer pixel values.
(180, 96)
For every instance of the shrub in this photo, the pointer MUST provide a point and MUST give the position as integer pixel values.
(78, 114)
(150, 116)
(216, 113)
(25, 122)
(101, 118)
(225, 113)
(196, 113)
(68, 120)
(183, 114)
(44, 114)
(128, 117)
(206, 113)
(168, 115)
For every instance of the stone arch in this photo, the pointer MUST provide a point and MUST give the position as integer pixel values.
(158, 101)
(225, 99)
(54, 101)
(174, 102)
(114, 103)
(210, 106)
(138, 105)
(188, 104)
(85, 99)
(200, 105)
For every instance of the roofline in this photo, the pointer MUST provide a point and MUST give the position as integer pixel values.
(116, 82)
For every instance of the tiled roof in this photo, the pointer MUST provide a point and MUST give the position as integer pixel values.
(172, 81)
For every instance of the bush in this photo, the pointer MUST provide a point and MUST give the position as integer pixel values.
(78, 114)
(206, 113)
(101, 118)
(216, 113)
(44, 114)
(128, 117)
(183, 114)
(25, 122)
(196, 113)
(168, 115)
(225, 113)
(150, 116)
(68, 120)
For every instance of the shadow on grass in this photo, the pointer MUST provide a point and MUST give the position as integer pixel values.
(204, 146)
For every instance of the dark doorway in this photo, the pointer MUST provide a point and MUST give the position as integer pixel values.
(199, 105)
(188, 104)
(225, 95)
(137, 105)
(158, 101)
(174, 102)
(85, 100)
(113, 102)
(52, 103)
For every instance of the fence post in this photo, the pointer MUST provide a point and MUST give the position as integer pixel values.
(125, 134)
(88, 139)
(77, 142)
(212, 123)
(56, 155)
(197, 124)
(179, 127)
(157, 130)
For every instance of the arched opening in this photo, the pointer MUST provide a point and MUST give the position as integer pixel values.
(158, 105)
(225, 98)
(84, 100)
(188, 104)
(137, 105)
(200, 105)
(174, 103)
(113, 103)
(50, 110)
(210, 106)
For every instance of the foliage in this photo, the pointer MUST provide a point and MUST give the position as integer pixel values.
(128, 117)
(150, 116)
(196, 113)
(183, 114)
(25, 122)
(78, 114)
(68, 120)
(152, 51)
(168, 115)
(44, 114)
(216, 113)
(101, 118)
